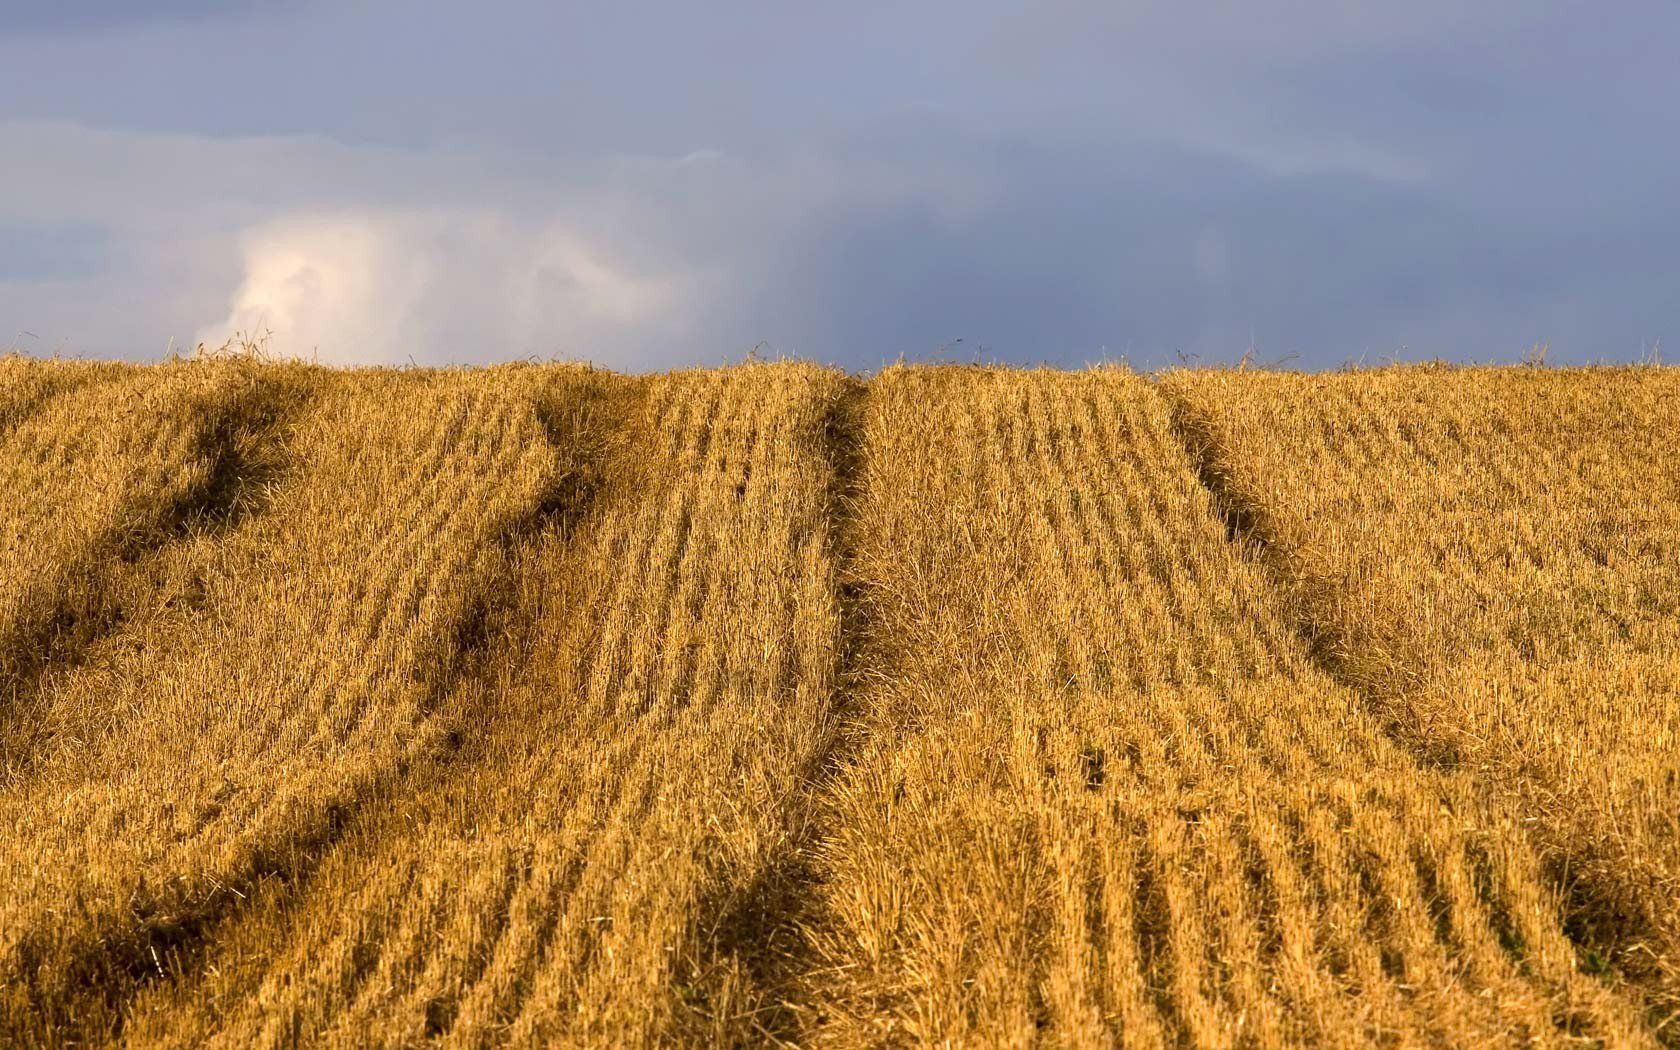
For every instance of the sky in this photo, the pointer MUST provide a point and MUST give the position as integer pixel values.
(649, 185)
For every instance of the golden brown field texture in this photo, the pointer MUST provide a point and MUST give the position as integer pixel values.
(543, 706)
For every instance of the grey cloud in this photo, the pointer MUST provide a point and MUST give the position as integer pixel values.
(853, 251)
(38, 251)
(73, 16)
(654, 183)
(389, 254)
(1079, 259)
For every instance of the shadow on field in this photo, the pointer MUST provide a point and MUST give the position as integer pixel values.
(759, 931)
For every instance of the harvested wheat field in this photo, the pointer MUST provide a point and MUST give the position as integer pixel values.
(544, 706)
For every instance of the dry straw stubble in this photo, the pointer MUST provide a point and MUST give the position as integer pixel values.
(1106, 793)
(583, 871)
(220, 745)
(1493, 557)
(966, 706)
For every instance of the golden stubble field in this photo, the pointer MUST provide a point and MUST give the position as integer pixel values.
(540, 705)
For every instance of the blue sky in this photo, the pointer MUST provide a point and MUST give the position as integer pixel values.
(655, 184)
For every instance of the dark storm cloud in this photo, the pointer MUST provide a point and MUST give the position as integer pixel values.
(1084, 255)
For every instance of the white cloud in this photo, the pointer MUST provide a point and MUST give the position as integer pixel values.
(366, 286)
(339, 287)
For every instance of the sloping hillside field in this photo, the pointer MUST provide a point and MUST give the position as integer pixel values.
(540, 706)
